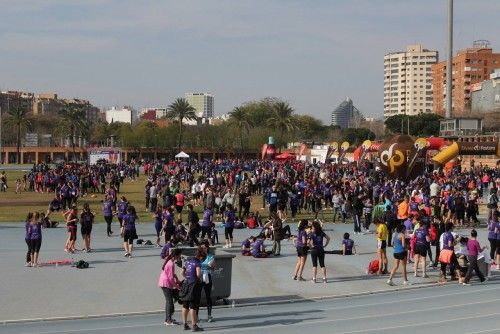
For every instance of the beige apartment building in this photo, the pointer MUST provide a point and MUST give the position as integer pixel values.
(408, 81)
(203, 103)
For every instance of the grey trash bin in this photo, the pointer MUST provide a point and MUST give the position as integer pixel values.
(221, 275)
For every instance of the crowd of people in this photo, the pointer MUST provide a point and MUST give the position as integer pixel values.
(414, 217)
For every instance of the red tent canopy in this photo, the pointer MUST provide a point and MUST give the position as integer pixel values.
(285, 156)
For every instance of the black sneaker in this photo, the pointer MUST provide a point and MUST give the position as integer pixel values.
(186, 327)
(196, 328)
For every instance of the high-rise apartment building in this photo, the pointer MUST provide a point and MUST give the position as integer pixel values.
(203, 103)
(346, 115)
(408, 81)
(470, 66)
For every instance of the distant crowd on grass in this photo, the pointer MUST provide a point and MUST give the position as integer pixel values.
(72, 180)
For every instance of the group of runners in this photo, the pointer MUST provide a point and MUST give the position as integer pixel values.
(414, 217)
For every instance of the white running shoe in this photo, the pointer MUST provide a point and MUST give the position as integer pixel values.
(390, 282)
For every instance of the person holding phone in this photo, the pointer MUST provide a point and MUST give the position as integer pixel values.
(207, 268)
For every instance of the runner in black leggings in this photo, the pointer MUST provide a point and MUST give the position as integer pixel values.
(318, 250)
(27, 239)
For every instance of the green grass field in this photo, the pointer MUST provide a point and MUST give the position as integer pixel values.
(14, 207)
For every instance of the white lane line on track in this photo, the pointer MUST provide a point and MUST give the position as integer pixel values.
(428, 323)
(410, 299)
(486, 331)
(305, 322)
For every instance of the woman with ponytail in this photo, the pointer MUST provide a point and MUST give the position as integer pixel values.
(168, 282)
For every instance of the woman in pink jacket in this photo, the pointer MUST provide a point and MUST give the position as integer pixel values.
(169, 282)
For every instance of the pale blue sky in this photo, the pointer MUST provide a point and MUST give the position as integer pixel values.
(146, 53)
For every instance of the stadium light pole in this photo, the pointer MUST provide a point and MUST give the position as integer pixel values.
(449, 66)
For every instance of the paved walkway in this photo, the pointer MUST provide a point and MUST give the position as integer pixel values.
(114, 284)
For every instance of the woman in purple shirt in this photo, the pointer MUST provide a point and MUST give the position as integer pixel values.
(27, 239)
(128, 231)
(494, 238)
(495, 217)
(302, 249)
(421, 244)
(35, 234)
(316, 239)
(193, 279)
(229, 220)
(121, 209)
(168, 226)
(206, 225)
(107, 210)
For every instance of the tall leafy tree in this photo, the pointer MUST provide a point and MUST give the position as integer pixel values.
(180, 110)
(282, 118)
(73, 122)
(418, 125)
(239, 118)
(18, 118)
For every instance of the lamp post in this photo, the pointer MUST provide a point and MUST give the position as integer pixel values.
(449, 66)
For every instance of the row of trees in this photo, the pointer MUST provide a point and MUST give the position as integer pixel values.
(70, 122)
(249, 125)
(247, 128)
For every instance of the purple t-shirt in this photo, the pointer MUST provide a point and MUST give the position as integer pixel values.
(302, 235)
(122, 209)
(166, 250)
(87, 219)
(230, 217)
(129, 222)
(35, 231)
(317, 240)
(491, 229)
(420, 236)
(408, 227)
(256, 247)
(106, 208)
(348, 243)
(207, 217)
(447, 237)
(246, 243)
(190, 266)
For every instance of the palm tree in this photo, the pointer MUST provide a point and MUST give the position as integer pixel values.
(239, 117)
(18, 118)
(282, 118)
(180, 110)
(73, 119)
